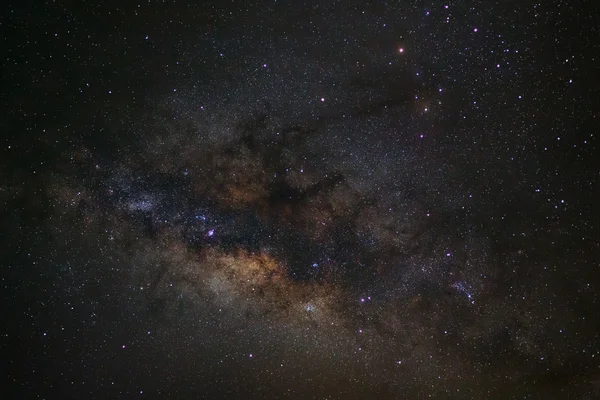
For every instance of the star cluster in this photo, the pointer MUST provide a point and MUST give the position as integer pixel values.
(318, 200)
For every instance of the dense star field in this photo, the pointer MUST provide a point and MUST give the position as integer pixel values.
(300, 200)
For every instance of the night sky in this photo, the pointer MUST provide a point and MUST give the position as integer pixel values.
(300, 200)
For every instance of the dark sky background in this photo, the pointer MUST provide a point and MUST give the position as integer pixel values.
(300, 200)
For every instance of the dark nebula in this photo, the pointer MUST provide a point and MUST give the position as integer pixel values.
(302, 200)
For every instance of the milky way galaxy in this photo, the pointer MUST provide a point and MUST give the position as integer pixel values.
(322, 202)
